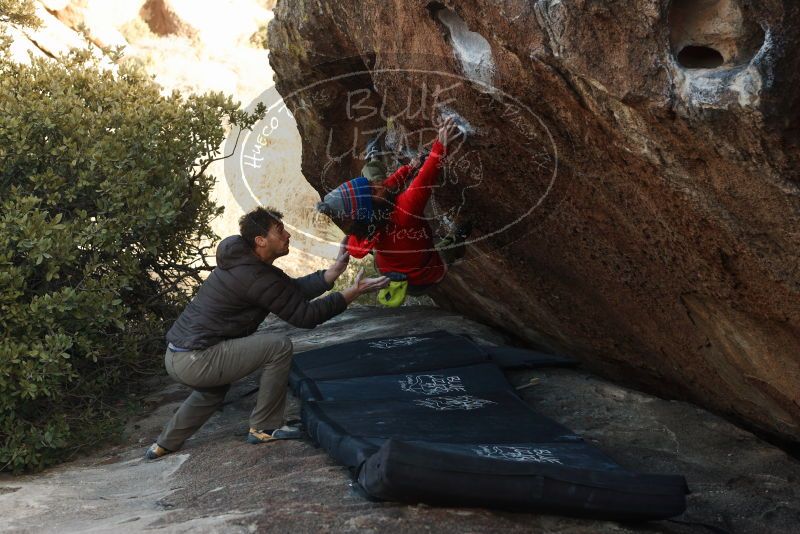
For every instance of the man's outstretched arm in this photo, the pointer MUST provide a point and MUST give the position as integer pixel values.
(313, 285)
(280, 295)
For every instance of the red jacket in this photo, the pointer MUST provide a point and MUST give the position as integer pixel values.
(406, 244)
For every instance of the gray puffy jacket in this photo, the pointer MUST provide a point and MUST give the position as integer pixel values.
(241, 291)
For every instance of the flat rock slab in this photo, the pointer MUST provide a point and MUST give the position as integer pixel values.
(218, 483)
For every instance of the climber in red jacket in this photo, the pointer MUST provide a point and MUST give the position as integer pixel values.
(388, 219)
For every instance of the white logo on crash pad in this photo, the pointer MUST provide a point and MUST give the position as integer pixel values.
(432, 384)
(463, 402)
(517, 454)
(397, 342)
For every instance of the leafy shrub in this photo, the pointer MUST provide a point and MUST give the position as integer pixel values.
(104, 207)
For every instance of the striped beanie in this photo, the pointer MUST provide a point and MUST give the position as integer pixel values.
(351, 200)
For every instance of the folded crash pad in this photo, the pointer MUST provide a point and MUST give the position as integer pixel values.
(431, 418)
(516, 358)
(420, 352)
(520, 477)
(478, 378)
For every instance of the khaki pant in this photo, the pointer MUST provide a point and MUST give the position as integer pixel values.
(210, 373)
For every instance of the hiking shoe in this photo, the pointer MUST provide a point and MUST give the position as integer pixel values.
(263, 436)
(155, 452)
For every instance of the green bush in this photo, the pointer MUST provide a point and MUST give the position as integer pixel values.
(104, 205)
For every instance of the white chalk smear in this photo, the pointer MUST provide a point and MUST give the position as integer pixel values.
(472, 49)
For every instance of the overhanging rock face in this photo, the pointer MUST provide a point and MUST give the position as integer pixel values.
(632, 172)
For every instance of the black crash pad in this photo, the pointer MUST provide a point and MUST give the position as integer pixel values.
(499, 417)
(386, 356)
(516, 358)
(517, 478)
(405, 354)
(431, 418)
(478, 378)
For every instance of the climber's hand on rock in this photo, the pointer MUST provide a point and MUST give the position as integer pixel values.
(448, 130)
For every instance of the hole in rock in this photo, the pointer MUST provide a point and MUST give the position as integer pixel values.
(700, 57)
(713, 33)
(433, 7)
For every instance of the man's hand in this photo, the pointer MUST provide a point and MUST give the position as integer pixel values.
(363, 285)
(340, 265)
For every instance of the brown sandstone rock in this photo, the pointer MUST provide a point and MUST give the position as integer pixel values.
(640, 158)
(163, 19)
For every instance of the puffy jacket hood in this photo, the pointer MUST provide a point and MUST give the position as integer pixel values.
(233, 251)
